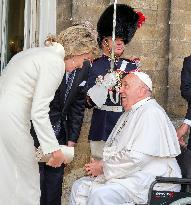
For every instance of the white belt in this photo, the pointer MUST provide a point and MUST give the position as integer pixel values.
(111, 108)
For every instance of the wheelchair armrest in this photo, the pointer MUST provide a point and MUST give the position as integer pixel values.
(174, 180)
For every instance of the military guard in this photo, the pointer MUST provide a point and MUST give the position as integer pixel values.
(103, 82)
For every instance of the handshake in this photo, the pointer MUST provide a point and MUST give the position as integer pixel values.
(98, 93)
(67, 151)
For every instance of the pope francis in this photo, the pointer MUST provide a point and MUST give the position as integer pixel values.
(142, 145)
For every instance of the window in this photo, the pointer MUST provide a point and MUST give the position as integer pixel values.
(24, 24)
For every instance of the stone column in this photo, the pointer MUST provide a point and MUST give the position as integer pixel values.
(180, 45)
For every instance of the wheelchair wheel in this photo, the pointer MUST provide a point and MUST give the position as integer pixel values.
(183, 201)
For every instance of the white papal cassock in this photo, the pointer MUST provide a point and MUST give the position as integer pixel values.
(26, 88)
(142, 145)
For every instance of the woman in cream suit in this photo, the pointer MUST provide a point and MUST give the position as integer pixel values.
(27, 86)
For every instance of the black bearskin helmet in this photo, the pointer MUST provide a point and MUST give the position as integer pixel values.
(126, 23)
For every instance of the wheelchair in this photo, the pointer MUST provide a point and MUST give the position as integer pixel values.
(174, 198)
(168, 197)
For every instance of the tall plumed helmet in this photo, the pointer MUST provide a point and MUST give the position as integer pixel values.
(127, 22)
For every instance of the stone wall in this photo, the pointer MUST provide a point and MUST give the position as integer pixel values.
(161, 44)
(150, 43)
(64, 14)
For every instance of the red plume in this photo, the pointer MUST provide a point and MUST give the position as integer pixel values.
(141, 19)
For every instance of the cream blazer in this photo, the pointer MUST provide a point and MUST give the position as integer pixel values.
(29, 82)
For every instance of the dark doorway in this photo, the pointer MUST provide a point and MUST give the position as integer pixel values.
(15, 36)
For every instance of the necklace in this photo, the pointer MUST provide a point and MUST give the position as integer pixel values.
(116, 133)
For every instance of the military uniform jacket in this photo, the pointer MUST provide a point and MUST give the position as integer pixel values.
(103, 121)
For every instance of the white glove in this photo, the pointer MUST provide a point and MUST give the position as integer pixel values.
(109, 80)
(98, 93)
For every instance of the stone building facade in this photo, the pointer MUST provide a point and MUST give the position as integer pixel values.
(161, 44)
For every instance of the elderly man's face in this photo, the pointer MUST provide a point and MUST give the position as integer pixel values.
(130, 91)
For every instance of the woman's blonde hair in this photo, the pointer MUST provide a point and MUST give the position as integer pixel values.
(77, 40)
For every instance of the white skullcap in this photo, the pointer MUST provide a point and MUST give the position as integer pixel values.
(144, 78)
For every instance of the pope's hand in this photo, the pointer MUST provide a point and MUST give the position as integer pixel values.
(57, 159)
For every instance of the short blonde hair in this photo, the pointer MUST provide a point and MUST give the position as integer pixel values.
(77, 40)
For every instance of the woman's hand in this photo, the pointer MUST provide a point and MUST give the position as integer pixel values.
(57, 159)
